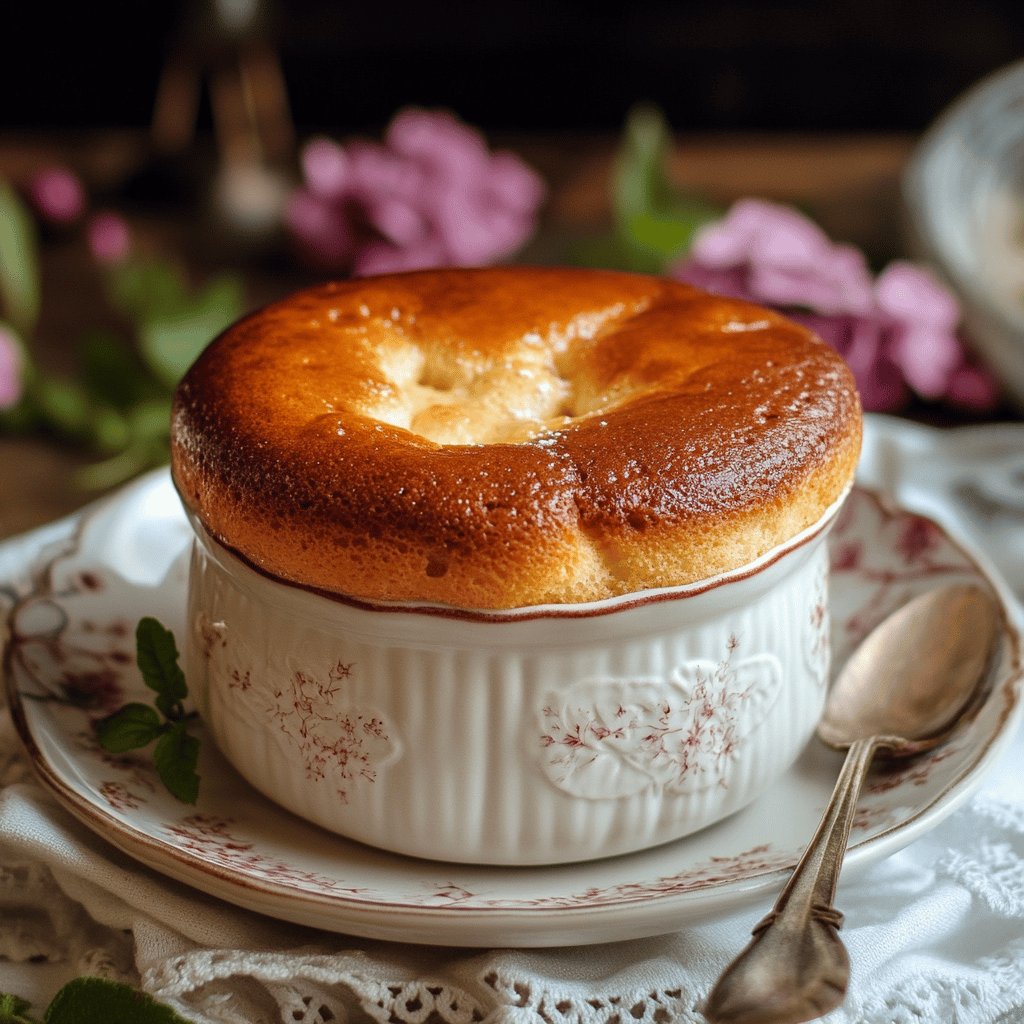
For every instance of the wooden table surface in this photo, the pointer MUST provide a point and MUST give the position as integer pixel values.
(849, 184)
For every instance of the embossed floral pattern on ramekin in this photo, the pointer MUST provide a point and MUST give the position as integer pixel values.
(607, 739)
(334, 742)
(309, 712)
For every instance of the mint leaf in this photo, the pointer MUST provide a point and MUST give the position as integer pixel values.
(98, 1001)
(13, 1010)
(157, 657)
(176, 757)
(19, 262)
(130, 727)
(136, 725)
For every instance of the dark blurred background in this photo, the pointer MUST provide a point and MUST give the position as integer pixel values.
(536, 65)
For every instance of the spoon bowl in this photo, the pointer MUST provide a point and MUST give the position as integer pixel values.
(916, 679)
(916, 675)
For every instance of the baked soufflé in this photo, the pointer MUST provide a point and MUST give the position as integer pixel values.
(500, 438)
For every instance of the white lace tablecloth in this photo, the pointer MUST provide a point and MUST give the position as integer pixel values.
(935, 933)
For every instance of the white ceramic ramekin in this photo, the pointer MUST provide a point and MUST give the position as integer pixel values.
(539, 736)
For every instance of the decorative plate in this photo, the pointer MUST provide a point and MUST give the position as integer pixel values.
(70, 661)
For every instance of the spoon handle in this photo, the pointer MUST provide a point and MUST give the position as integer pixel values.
(795, 967)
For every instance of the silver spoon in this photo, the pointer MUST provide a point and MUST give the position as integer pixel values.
(905, 690)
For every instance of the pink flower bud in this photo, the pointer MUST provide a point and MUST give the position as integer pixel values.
(973, 387)
(325, 167)
(398, 221)
(57, 195)
(10, 369)
(513, 184)
(927, 356)
(728, 281)
(912, 293)
(110, 238)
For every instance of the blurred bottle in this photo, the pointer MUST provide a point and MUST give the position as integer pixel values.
(228, 48)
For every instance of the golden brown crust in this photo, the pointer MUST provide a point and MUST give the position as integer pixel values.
(507, 437)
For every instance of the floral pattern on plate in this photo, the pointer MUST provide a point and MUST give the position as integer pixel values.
(69, 659)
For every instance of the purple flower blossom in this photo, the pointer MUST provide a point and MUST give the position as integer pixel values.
(431, 194)
(785, 258)
(57, 195)
(10, 369)
(109, 237)
(898, 333)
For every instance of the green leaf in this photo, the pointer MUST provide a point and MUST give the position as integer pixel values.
(606, 250)
(666, 235)
(63, 405)
(19, 262)
(654, 220)
(174, 324)
(130, 727)
(151, 419)
(135, 725)
(108, 429)
(143, 289)
(639, 181)
(98, 1001)
(115, 470)
(176, 756)
(157, 657)
(139, 439)
(170, 341)
(13, 1010)
(111, 372)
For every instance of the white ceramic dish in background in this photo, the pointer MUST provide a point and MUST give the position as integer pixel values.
(70, 659)
(538, 736)
(964, 195)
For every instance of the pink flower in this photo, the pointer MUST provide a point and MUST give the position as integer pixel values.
(785, 258)
(325, 167)
(10, 369)
(322, 229)
(923, 318)
(57, 195)
(110, 238)
(898, 333)
(431, 194)
(973, 387)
